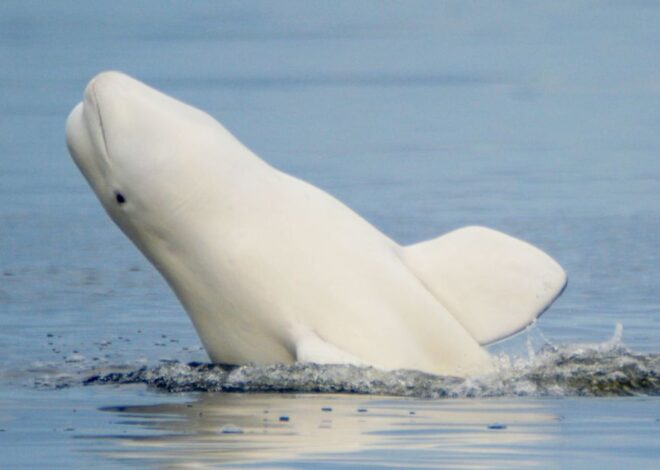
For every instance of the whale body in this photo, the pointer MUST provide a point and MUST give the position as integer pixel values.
(271, 269)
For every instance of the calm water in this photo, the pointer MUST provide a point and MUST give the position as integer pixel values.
(540, 120)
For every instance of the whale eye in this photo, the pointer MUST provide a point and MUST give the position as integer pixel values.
(119, 197)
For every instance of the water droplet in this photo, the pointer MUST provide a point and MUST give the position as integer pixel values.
(231, 429)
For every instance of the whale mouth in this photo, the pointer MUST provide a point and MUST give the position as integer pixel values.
(92, 110)
(103, 96)
(86, 138)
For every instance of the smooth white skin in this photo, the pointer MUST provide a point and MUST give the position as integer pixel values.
(269, 268)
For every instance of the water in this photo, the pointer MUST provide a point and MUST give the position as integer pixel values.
(536, 119)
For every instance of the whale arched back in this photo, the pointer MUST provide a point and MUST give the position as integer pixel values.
(493, 284)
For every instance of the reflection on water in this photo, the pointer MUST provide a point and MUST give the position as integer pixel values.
(323, 429)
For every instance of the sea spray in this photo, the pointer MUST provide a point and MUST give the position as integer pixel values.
(599, 369)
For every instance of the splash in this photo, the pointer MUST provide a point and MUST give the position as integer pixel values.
(602, 369)
(606, 369)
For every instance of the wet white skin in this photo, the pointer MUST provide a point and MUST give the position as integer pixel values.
(271, 269)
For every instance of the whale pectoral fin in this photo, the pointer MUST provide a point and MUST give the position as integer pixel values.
(493, 284)
(311, 348)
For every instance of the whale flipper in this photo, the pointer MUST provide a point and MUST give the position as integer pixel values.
(493, 284)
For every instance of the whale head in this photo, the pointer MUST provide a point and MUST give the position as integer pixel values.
(140, 150)
(173, 179)
(150, 159)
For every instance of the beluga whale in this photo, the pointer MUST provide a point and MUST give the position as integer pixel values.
(271, 269)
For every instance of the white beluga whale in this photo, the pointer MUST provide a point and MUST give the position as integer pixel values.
(271, 269)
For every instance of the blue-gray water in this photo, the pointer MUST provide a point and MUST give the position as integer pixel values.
(538, 119)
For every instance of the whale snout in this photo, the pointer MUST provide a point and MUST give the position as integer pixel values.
(104, 92)
(106, 84)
